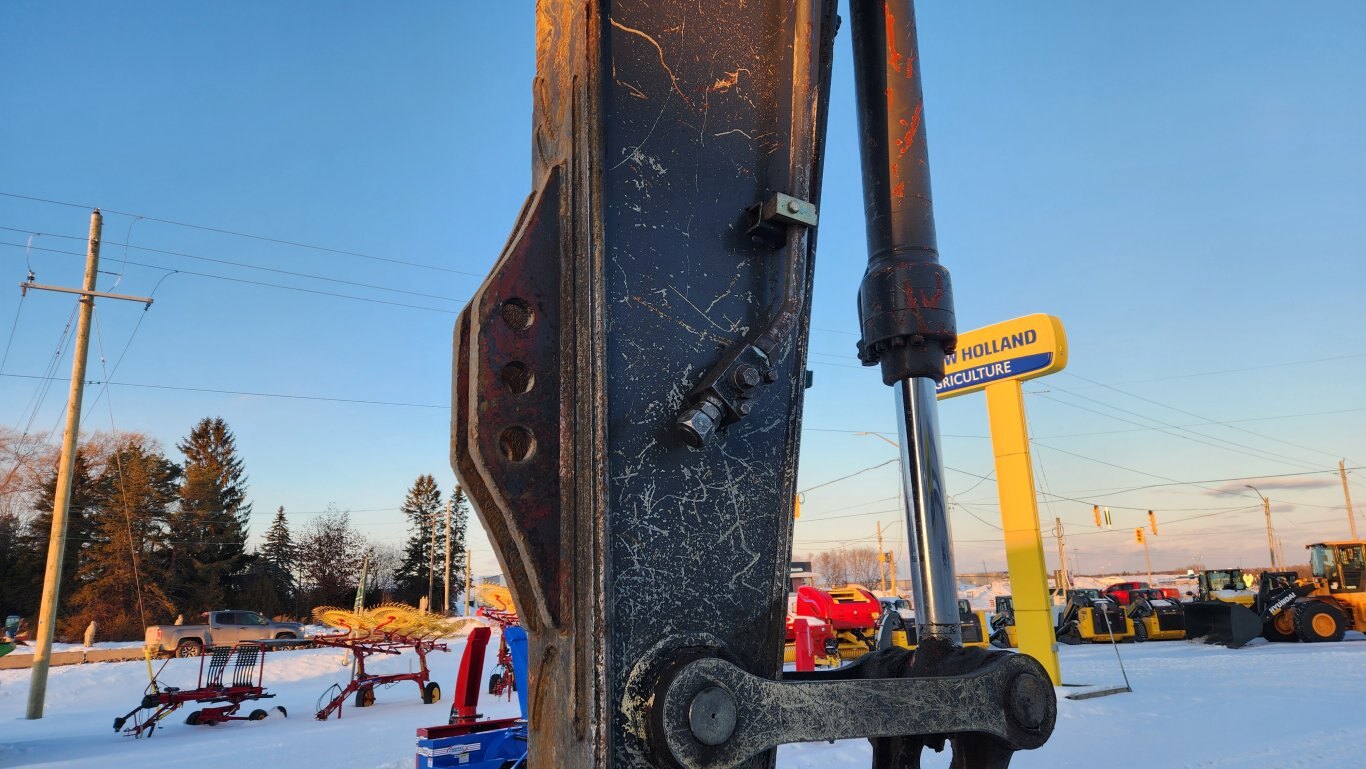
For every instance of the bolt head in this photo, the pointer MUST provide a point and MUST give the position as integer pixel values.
(696, 426)
(793, 206)
(1029, 700)
(711, 715)
(744, 408)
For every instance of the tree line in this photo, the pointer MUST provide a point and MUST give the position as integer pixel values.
(150, 539)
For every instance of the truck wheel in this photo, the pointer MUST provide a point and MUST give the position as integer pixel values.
(1318, 621)
(285, 637)
(189, 648)
(431, 693)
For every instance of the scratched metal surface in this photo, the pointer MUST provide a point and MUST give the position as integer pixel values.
(696, 119)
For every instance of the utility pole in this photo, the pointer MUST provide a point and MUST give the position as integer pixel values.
(56, 546)
(1270, 538)
(446, 607)
(881, 558)
(467, 582)
(1351, 518)
(1063, 581)
(431, 561)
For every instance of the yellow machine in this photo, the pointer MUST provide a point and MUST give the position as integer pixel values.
(1155, 617)
(1338, 601)
(897, 631)
(1227, 585)
(1089, 617)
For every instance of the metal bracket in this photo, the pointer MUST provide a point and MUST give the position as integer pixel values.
(713, 715)
(768, 220)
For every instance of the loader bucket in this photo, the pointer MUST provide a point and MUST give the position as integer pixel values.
(1222, 623)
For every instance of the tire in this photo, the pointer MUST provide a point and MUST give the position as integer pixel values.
(1318, 621)
(285, 637)
(189, 648)
(193, 718)
(257, 715)
(365, 697)
(494, 681)
(431, 693)
(1140, 631)
(1281, 628)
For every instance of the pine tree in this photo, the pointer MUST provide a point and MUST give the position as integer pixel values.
(211, 524)
(276, 560)
(460, 523)
(32, 555)
(120, 579)
(424, 511)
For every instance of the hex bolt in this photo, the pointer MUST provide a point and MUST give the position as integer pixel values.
(793, 206)
(746, 377)
(711, 715)
(770, 376)
(744, 408)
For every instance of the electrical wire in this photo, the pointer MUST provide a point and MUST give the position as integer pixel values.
(241, 392)
(250, 236)
(245, 265)
(264, 284)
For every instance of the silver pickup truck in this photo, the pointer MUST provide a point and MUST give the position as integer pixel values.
(222, 628)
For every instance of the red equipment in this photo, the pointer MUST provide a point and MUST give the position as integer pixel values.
(503, 679)
(363, 684)
(1121, 592)
(248, 667)
(845, 608)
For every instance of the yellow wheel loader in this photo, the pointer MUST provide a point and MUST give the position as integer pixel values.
(1286, 608)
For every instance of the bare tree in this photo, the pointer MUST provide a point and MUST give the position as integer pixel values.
(328, 557)
(864, 567)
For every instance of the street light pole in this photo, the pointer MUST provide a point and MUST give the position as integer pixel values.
(1270, 538)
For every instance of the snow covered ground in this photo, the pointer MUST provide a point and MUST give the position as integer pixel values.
(1266, 705)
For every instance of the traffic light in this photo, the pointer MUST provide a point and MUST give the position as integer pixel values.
(1109, 522)
(1138, 535)
(1095, 509)
(1152, 522)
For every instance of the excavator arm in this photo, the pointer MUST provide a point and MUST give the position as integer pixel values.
(628, 384)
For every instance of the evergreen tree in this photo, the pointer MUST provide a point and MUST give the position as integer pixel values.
(460, 522)
(211, 524)
(121, 576)
(425, 512)
(31, 561)
(277, 558)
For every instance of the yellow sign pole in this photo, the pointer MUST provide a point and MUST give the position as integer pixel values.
(997, 359)
(1020, 522)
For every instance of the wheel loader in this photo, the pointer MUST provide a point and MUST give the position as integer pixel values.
(1286, 608)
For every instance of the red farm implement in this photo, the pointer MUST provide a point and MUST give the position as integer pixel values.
(228, 677)
(503, 679)
(391, 630)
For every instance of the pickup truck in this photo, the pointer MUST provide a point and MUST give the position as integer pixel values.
(1120, 592)
(221, 628)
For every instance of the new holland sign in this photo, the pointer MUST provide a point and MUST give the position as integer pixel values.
(1023, 348)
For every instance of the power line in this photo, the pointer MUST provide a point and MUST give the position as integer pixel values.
(1200, 416)
(1262, 455)
(260, 283)
(241, 392)
(847, 477)
(248, 266)
(234, 233)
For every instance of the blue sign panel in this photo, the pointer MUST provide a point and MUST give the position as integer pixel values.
(978, 376)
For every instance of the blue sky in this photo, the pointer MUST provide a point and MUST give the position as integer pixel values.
(1183, 184)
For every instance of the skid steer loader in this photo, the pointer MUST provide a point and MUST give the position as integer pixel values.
(1156, 617)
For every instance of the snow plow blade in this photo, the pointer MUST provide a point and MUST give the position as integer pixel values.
(1222, 623)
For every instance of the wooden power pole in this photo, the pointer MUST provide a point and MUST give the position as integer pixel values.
(1351, 518)
(56, 545)
(1063, 581)
(881, 558)
(446, 607)
(467, 582)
